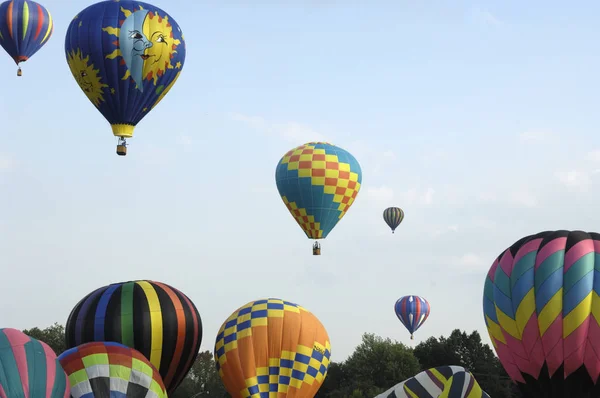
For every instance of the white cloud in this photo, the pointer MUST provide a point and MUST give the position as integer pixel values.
(184, 140)
(574, 179)
(535, 136)
(523, 198)
(291, 131)
(469, 262)
(415, 196)
(594, 156)
(380, 194)
(7, 163)
(444, 230)
(484, 16)
(520, 198)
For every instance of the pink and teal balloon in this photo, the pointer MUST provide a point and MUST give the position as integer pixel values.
(29, 368)
(542, 311)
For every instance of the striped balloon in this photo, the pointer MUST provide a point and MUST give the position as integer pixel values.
(25, 26)
(412, 311)
(440, 382)
(29, 368)
(393, 216)
(111, 370)
(151, 317)
(542, 312)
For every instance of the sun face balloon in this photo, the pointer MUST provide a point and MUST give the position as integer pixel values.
(152, 317)
(412, 311)
(125, 56)
(393, 216)
(29, 368)
(441, 382)
(542, 312)
(318, 182)
(272, 347)
(25, 27)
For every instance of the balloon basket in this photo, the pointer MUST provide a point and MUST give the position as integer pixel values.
(121, 150)
(316, 251)
(19, 72)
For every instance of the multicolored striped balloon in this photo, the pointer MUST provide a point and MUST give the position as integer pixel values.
(25, 26)
(542, 311)
(29, 368)
(440, 382)
(152, 317)
(110, 370)
(274, 348)
(412, 311)
(393, 216)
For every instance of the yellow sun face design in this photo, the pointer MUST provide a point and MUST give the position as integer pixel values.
(146, 45)
(86, 76)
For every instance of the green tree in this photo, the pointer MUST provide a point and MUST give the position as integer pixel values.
(468, 351)
(375, 365)
(203, 380)
(53, 335)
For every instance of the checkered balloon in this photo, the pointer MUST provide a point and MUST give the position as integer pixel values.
(318, 183)
(272, 348)
(104, 369)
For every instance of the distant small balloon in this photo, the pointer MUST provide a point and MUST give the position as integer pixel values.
(412, 311)
(393, 216)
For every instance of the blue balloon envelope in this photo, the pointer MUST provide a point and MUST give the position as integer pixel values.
(125, 56)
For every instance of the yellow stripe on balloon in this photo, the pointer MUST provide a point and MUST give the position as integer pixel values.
(596, 306)
(409, 392)
(577, 316)
(25, 18)
(49, 30)
(495, 330)
(507, 324)
(550, 311)
(156, 338)
(476, 391)
(524, 311)
(438, 375)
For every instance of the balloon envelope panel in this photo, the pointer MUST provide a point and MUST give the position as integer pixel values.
(25, 26)
(29, 368)
(412, 311)
(152, 317)
(110, 370)
(440, 382)
(318, 183)
(541, 310)
(272, 346)
(393, 216)
(125, 56)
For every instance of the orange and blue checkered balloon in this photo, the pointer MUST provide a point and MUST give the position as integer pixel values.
(272, 348)
(318, 183)
(541, 307)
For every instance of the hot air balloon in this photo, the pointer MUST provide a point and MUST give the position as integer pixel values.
(272, 346)
(541, 308)
(412, 311)
(109, 370)
(125, 55)
(393, 216)
(25, 26)
(318, 183)
(151, 317)
(440, 382)
(29, 368)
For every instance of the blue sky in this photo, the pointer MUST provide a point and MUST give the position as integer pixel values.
(479, 119)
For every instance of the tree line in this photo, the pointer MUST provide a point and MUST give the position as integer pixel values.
(376, 365)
